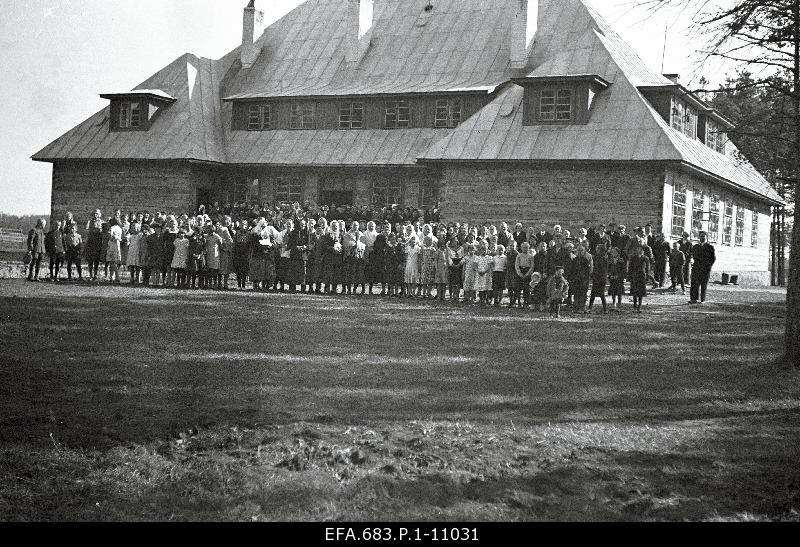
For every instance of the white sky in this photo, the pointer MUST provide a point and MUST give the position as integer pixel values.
(56, 56)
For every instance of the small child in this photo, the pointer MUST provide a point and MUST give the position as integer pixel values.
(557, 291)
(676, 262)
(499, 275)
(538, 292)
(73, 245)
(180, 258)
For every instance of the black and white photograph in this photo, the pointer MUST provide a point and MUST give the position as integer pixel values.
(402, 270)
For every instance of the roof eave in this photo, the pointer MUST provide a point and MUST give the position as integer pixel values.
(725, 182)
(592, 78)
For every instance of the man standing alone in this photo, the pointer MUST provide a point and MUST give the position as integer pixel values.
(704, 258)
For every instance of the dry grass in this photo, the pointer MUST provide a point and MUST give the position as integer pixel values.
(278, 407)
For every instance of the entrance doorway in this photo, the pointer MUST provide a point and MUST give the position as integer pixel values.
(336, 197)
(205, 197)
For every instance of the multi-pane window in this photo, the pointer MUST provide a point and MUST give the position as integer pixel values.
(386, 194)
(555, 106)
(684, 118)
(727, 226)
(754, 230)
(678, 210)
(259, 117)
(288, 190)
(351, 115)
(301, 116)
(130, 115)
(398, 115)
(430, 196)
(698, 200)
(739, 225)
(715, 136)
(448, 113)
(713, 220)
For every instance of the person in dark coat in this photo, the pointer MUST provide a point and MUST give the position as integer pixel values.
(638, 271)
(375, 263)
(660, 256)
(599, 277)
(685, 246)
(582, 268)
(94, 243)
(298, 244)
(73, 246)
(241, 255)
(676, 262)
(316, 263)
(333, 259)
(54, 245)
(36, 249)
(154, 257)
(543, 236)
(704, 256)
(519, 235)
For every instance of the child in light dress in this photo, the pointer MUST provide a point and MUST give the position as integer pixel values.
(499, 274)
(470, 273)
(411, 277)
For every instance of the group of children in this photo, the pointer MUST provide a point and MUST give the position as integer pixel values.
(541, 271)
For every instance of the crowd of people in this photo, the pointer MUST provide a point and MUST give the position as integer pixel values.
(404, 253)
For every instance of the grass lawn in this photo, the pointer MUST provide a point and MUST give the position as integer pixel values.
(132, 404)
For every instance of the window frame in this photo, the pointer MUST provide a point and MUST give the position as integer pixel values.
(552, 111)
(431, 190)
(716, 138)
(677, 191)
(448, 113)
(288, 189)
(263, 117)
(739, 234)
(302, 116)
(754, 235)
(395, 108)
(697, 213)
(386, 190)
(351, 115)
(127, 118)
(713, 218)
(727, 224)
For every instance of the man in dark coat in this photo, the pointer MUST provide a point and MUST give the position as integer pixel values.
(685, 246)
(704, 257)
(519, 235)
(660, 255)
(36, 250)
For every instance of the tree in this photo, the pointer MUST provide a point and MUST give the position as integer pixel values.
(762, 37)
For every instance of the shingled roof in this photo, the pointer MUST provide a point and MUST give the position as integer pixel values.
(573, 39)
(190, 128)
(459, 45)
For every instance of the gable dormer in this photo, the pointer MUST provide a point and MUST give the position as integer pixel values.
(560, 100)
(136, 110)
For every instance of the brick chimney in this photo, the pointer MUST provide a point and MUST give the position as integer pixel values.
(525, 16)
(360, 20)
(252, 29)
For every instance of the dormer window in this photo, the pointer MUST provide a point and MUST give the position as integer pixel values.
(130, 115)
(136, 110)
(259, 117)
(715, 136)
(684, 118)
(448, 113)
(560, 100)
(555, 105)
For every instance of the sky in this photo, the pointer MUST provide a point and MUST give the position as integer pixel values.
(57, 56)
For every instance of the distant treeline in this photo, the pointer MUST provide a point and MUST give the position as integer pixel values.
(24, 222)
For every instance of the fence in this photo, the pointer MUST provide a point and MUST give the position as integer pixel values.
(12, 240)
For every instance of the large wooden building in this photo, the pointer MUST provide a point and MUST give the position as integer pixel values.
(502, 110)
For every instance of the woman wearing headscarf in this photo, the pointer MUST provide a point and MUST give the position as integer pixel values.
(262, 255)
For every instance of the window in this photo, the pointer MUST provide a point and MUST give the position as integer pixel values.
(130, 115)
(698, 200)
(754, 230)
(430, 196)
(678, 115)
(713, 220)
(684, 118)
(678, 210)
(448, 113)
(259, 117)
(727, 226)
(398, 115)
(351, 116)
(301, 116)
(555, 106)
(385, 194)
(739, 225)
(288, 190)
(715, 136)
